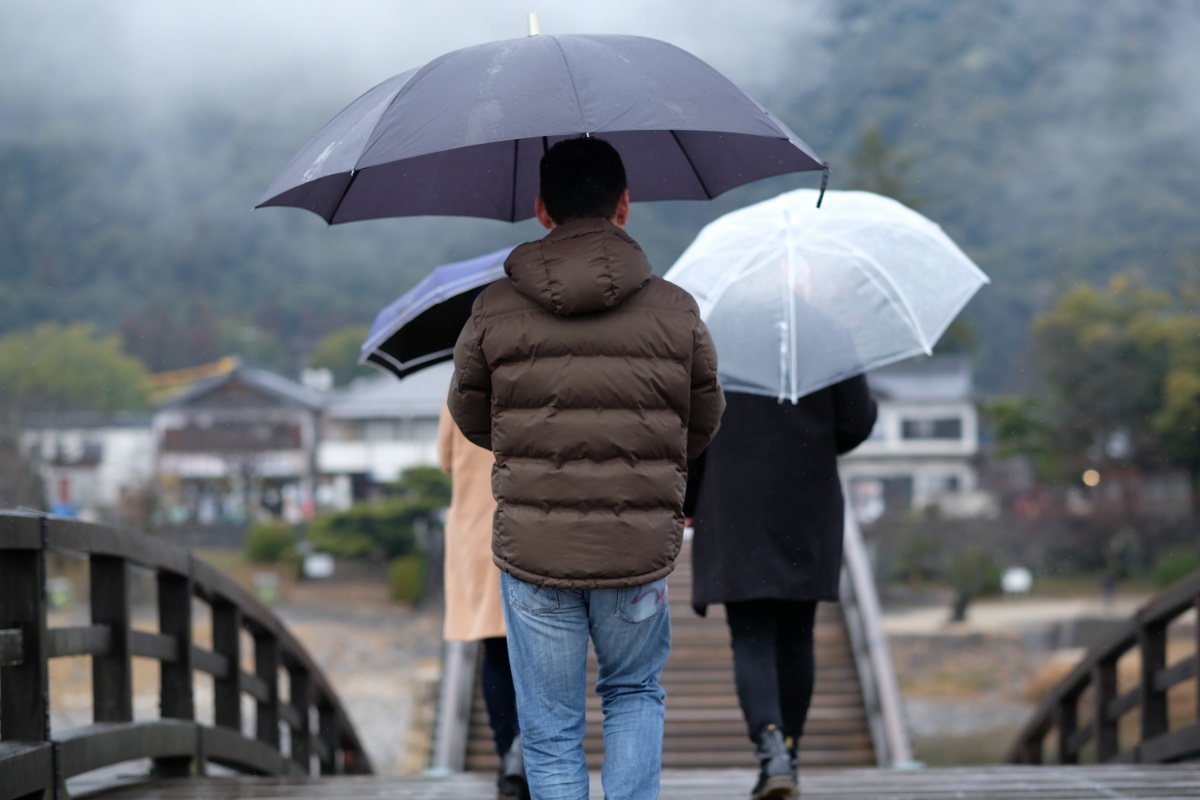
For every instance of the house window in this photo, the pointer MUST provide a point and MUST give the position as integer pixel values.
(944, 428)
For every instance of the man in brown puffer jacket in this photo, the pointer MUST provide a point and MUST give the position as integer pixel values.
(593, 382)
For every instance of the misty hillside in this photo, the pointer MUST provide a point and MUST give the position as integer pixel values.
(1055, 142)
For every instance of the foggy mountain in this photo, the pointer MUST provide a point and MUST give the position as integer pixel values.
(1053, 141)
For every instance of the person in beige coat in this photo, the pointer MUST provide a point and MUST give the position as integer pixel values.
(474, 612)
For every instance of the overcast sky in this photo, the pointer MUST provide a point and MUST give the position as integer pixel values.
(159, 48)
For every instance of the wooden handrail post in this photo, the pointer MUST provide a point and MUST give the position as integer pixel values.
(24, 688)
(112, 673)
(1152, 640)
(300, 699)
(327, 720)
(266, 667)
(1067, 715)
(1104, 688)
(176, 685)
(227, 690)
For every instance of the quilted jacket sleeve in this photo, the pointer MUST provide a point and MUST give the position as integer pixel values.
(708, 401)
(470, 397)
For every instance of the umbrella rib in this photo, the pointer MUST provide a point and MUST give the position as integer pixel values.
(692, 164)
(876, 274)
(512, 204)
(574, 88)
(338, 206)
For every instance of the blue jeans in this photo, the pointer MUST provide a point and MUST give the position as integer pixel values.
(548, 632)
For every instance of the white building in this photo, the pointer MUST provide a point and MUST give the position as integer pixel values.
(925, 442)
(90, 462)
(378, 427)
(237, 446)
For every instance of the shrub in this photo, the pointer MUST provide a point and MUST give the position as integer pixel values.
(270, 543)
(1174, 566)
(426, 485)
(406, 576)
(379, 530)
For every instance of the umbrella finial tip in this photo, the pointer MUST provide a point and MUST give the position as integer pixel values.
(533, 23)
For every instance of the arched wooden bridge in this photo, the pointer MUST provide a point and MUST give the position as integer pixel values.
(298, 742)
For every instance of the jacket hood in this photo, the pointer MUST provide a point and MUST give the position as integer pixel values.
(578, 268)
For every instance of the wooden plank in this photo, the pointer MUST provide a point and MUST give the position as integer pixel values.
(229, 748)
(103, 744)
(227, 642)
(20, 531)
(99, 540)
(12, 647)
(153, 645)
(296, 713)
(24, 703)
(112, 670)
(704, 724)
(1010, 783)
(209, 662)
(1180, 745)
(174, 652)
(173, 648)
(254, 686)
(266, 666)
(82, 640)
(26, 770)
(1104, 683)
(1152, 640)
(1177, 673)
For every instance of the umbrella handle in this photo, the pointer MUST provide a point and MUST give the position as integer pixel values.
(824, 181)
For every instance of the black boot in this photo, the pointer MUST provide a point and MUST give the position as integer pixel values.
(793, 749)
(512, 784)
(775, 780)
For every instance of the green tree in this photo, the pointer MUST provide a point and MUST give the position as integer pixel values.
(880, 168)
(1104, 354)
(59, 368)
(1019, 427)
(1177, 421)
(253, 345)
(338, 353)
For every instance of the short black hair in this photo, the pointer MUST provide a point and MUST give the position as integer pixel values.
(581, 179)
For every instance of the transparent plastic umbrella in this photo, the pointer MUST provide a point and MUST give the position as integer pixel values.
(798, 298)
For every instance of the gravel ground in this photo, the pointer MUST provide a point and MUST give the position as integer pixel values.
(384, 664)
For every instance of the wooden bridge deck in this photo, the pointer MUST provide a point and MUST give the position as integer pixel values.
(964, 783)
(704, 724)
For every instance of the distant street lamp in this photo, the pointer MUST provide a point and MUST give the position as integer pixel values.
(1091, 477)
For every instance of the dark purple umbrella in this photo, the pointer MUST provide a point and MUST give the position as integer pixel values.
(419, 329)
(462, 136)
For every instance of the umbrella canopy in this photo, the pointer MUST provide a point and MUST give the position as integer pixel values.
(463, 135)
(798, 299)
(420, 328)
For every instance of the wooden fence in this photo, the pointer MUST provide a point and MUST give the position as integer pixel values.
(1090, 719)
(298, 725)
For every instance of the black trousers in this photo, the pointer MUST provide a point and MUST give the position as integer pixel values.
(499, 695)
(773, 662)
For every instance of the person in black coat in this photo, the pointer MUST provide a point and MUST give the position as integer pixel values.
(767, 510)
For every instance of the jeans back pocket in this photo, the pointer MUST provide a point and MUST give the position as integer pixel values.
(530, 597)
(639, 603)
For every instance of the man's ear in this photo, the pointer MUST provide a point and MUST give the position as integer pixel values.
(543, 216)
(622, 213)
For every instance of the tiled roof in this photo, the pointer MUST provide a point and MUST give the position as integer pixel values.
(940, 378)
(384, 397)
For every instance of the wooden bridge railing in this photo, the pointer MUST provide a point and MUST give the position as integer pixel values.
(298, 731)
(1084, 713)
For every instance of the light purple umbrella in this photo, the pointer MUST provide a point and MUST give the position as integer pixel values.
(462, 136)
